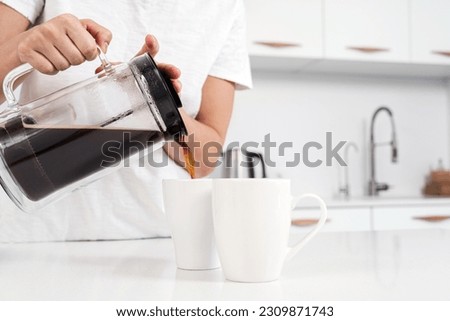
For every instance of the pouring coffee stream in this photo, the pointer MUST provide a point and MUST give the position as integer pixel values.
(188, 155)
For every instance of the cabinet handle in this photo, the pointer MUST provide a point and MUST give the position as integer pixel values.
(441, 53)
(306, 221)
(275, 44)
(432, 218)
(368, 50)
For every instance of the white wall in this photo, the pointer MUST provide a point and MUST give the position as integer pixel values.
(303, 107)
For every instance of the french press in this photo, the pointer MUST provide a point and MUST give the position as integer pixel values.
(69, 138)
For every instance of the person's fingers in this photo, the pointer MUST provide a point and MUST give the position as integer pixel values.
(38, 61)
(177, 85)
(173, 73)
(102, 35)
(61, 42)
(151, 46)
(55, 57)
(68, 49)
(169, 70)
(83, 40)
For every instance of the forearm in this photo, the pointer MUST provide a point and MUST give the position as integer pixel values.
(205, 143)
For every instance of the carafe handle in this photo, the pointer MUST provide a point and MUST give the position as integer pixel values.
(16, 73)
(10, 79)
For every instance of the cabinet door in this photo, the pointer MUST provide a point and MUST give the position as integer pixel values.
(376, 30)
(285, 28)
(339, 219)
(430, 31)
(411, 217)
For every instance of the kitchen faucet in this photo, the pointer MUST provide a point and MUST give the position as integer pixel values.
(374, 186)
(345, 189)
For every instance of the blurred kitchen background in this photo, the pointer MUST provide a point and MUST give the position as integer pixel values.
(317, 84)
(325, 66)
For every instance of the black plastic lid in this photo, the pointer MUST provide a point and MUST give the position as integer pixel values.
(166, 98)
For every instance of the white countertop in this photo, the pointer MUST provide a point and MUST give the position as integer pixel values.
(388, 265)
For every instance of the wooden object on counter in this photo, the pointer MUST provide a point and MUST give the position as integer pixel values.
(306, 221)
(432, 218)
(438, 183)
(440, 176)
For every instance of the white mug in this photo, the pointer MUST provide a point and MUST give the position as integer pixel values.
(252, 219)
(187, 205)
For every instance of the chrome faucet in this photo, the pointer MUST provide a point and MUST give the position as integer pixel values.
(345, 189)
(374, 186)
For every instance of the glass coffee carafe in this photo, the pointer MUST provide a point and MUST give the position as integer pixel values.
(69, 138)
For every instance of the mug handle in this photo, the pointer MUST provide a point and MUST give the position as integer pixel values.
(323, 217)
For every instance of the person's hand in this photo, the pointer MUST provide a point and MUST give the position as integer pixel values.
(62, 42)
(151, 46)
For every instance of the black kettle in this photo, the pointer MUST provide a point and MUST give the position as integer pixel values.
(241, 163)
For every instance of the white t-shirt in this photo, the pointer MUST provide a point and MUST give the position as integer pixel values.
(200, 37)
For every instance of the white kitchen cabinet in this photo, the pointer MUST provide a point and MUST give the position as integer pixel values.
(408, 38)
(411, 217)
(285, 28)
(339, 219)
(375, 217)
(373, 30)
(430, 31)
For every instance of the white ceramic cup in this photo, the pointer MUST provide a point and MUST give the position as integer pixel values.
(188, 208)
(251, 223)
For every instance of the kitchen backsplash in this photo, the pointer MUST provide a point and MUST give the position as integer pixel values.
(302, 108)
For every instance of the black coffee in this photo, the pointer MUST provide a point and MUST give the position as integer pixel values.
(48, 159)
(188, 158)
